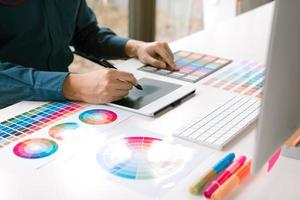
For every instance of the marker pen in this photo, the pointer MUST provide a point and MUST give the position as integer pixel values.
(238, 163)
(211, 174)
(232, 182)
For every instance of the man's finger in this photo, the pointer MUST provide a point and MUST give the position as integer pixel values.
(122, 85)
(169, 50)
(126, 77)
(155, 62)
(120, 94)
(164, 54)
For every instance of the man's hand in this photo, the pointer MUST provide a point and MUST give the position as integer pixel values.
(102, 86)
(157, 54)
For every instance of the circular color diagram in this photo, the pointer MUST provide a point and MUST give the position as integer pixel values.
(63, 131)
(35, 148)
(98, 116)
(139, 158)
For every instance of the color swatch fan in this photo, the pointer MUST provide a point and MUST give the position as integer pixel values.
(140, 158)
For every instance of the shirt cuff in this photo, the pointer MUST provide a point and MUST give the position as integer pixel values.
(117, 46)
(50, 85)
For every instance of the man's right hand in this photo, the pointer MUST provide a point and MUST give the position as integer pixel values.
(98, 87)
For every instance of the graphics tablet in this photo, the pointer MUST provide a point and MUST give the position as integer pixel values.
(155, 96)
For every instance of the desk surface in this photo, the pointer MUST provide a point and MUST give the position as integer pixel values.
(244, 37)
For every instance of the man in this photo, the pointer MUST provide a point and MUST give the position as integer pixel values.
(35, 40)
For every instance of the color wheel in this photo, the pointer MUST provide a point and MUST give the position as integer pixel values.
(98, 116)
(35, 148)
(63, 131)
(140, 158)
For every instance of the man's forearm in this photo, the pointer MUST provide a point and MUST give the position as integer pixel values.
(132, 47)
(19, 83)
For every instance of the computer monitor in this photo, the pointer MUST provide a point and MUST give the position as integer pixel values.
(280, 112)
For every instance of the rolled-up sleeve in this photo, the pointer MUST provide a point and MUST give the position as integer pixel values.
(92, 40)
(21, 83)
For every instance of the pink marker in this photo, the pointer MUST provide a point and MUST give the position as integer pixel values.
(238, 163)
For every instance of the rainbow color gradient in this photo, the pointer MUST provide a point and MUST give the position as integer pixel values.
(139, 158)
(35, 148)
(63, 131)
(98, 116)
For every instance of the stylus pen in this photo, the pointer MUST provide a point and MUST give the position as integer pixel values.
(107, 64)
(104, 63)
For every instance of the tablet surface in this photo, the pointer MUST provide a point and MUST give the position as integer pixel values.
(152, 90)
(155, 96)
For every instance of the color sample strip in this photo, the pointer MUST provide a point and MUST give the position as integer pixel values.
(193, 66)
(29, 122)
(98, 117)
(35, 148)
(243, 77)
(138, 158)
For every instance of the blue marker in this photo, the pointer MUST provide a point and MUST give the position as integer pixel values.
(212, 173)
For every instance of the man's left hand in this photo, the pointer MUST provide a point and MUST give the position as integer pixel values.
(157, 54)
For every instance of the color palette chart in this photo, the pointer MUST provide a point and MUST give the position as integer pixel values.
(139, 157)
(193, 66)
(244, 77)
(34, 120)
(35, 148)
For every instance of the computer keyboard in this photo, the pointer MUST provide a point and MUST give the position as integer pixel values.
(218, 127)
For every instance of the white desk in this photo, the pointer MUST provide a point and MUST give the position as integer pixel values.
(245, 37)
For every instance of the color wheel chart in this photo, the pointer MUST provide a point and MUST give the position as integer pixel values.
(14, 129)
(63, 131)
(50, 133)
(243, 77)
(139, 158)
(98, 116)
(35, 148)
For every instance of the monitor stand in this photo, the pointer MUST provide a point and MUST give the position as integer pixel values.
(292, 147)
(291, 152)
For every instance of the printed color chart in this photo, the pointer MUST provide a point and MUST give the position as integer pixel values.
(139, 158)
(29, 122)
(243, 77)
(193, 66)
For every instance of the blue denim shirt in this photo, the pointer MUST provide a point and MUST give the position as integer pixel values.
(35, 40)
